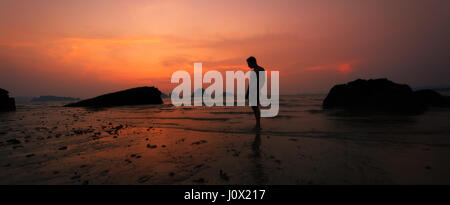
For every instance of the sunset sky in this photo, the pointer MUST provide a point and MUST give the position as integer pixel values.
(84, 48)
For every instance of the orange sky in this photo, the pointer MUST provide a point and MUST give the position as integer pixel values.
(85, 48)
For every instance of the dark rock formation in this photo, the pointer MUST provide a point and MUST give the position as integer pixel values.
(431, 98)
(6, 103)
(48, 98)
(134, 96)
(382, 95)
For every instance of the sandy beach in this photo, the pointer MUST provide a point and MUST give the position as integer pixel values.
(45, 143)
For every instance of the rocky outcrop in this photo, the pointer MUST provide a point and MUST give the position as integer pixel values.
(382, 95)
(431, 98)
(134, 96)
(6, 103)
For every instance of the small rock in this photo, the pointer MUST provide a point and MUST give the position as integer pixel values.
(198, 166)
(29, 155)
(199, 142)
(143, 179)
(17, 146)
(151, 146)
(200, 180)
(224, 175)
(13, 141)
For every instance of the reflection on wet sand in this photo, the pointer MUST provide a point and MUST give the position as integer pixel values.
(258, 170)
(44, 143)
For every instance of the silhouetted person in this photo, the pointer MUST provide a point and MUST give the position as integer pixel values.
(253, 65)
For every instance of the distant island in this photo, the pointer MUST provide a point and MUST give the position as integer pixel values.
(201, 92)
(48, 98)
(198, 92)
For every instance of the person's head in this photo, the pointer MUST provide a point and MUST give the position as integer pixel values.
(251, 62)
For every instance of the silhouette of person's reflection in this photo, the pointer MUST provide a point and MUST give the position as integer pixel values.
(256, 145)
(258, 172)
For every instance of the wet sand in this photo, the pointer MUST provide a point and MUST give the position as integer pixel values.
(168, 145)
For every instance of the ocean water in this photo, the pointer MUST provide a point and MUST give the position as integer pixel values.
(58, 143)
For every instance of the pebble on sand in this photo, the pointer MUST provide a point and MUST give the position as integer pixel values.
(151, 146)
(13, 141)
(224, 175)
(63, 148)
(29, 155)
(199, 142)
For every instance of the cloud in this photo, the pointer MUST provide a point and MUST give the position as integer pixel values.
(314, 44)
(342, 68)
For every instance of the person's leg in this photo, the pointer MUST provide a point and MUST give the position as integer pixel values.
(257, 116)
(257, 110)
